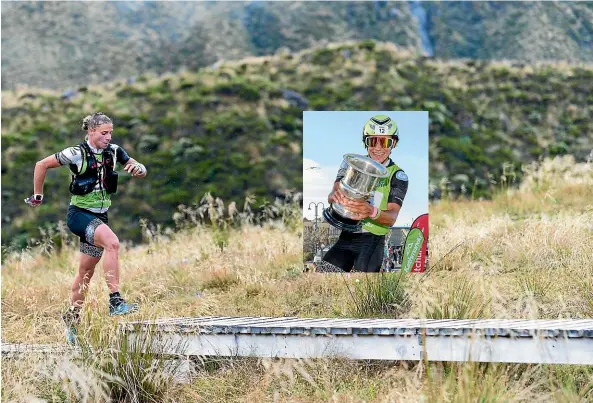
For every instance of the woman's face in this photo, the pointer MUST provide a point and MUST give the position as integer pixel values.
(100, 136)
(377, 151)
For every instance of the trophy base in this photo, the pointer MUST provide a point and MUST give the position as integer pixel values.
(336, 220)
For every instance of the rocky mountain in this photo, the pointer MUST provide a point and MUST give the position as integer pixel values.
(66, 44)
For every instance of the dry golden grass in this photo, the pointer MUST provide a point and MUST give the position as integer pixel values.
(167, 278)
(525, 254)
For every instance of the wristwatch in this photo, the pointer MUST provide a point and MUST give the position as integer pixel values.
(38, 197)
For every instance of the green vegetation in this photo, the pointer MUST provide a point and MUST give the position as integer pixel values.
(236, 130)
(382, 295)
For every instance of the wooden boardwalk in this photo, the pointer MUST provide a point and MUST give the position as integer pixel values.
(18, 349)
(520, 341)
(511, 341)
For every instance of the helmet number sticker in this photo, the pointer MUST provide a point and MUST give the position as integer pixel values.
(381, 130)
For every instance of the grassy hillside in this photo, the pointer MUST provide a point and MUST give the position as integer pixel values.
(236, 130)
(62, 44)
(524, 254)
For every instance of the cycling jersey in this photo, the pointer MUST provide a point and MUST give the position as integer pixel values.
(98, 200)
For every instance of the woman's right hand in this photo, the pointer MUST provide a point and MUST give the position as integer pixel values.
(34, 200)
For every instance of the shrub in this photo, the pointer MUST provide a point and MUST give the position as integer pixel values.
(380, 295)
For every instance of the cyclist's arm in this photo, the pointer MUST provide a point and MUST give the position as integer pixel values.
(389, 216)
(41, 168)
(395, 200)
(397, 194)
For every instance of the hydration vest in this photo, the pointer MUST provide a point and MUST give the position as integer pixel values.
(85, 180)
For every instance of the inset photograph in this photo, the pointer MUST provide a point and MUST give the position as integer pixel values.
(365, 191)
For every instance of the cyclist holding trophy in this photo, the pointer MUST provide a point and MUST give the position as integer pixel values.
(363, 250)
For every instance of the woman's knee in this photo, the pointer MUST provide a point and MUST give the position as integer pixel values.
(106, 238)
(112, 244)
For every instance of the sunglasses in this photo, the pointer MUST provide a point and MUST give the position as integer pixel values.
(379, 141)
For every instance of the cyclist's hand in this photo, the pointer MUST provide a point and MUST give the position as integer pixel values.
(361, 209)
(337, 197)
(34, 200)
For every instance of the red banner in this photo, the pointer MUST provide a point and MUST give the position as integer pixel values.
(422, 224)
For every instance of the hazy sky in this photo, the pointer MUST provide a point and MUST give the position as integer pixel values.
(330, 135)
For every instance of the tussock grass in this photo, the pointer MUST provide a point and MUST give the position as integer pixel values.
(220, 279)
(383, 295)
(460, 300)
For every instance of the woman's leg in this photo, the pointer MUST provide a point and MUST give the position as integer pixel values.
(86, 269)
(105, 238)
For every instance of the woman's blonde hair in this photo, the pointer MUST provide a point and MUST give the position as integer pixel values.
(95, 120)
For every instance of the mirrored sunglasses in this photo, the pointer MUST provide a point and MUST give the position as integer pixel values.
(379, 141)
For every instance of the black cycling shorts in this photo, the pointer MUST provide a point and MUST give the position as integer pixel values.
(357, 252)
(83, 224)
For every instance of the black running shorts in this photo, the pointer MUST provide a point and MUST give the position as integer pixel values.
(357, 252)
(83, 223)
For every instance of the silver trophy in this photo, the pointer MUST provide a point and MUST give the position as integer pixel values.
(359, 182)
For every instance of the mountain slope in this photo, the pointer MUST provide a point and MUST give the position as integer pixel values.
(64, 44)
(60, 44)
(237, 129)
(526, 31)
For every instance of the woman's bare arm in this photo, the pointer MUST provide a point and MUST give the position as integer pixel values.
(41, 168)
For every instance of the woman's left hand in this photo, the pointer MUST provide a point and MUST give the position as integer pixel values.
(135, 169)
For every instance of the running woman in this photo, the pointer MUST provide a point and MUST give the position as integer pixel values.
(94, 180)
